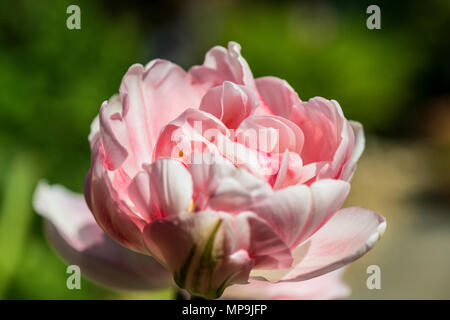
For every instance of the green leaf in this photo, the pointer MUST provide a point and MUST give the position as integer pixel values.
(15, 216)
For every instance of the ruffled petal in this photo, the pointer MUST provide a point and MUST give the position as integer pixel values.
(113, 134)
(224, 65)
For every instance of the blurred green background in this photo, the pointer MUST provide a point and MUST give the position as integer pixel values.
(395, 81)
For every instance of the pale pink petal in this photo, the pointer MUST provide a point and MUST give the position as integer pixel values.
(326, 287)
(152, 97)
(321, 123)
(135, 113)
(308, 173)
(67, 211)
(296, 212)
(350, 167)
(230, 103)
(207, 170)
(224, 64)
(278, 95)
(287, 212)
(348, 235)
(73, 232)
(94, 134)
(113, 135)
(328, 196)
(246, 231)
(111, 213)
(238, 191)
(343, 153)
(114, 138)
(139, 194)
(163, 189)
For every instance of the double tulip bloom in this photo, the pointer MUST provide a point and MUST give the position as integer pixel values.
(221, 178)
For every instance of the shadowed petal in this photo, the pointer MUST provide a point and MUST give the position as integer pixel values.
(75, 235)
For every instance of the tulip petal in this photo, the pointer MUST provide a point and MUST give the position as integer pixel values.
(222, 186)
(207, 170)
(153, 96)
(291, 171)
(326, 287)
(111, 212)
(287, 135)
(348, 235)
(278, 95)
(321, 123)
(343, 153)
(67, 211)
(94, 134)
(328, 196)
(73, 232)
(194, 131)
(113, 134)
(350, 167)
(286, 211)
(230, 103)
(266, 247)
(224, 64)
(238, 191)
(171, 186)
(296, 212)
(163, 189)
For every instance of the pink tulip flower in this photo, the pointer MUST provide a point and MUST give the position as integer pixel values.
(224, 178)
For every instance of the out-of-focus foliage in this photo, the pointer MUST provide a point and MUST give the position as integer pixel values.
(53, 80)
(15, 217)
